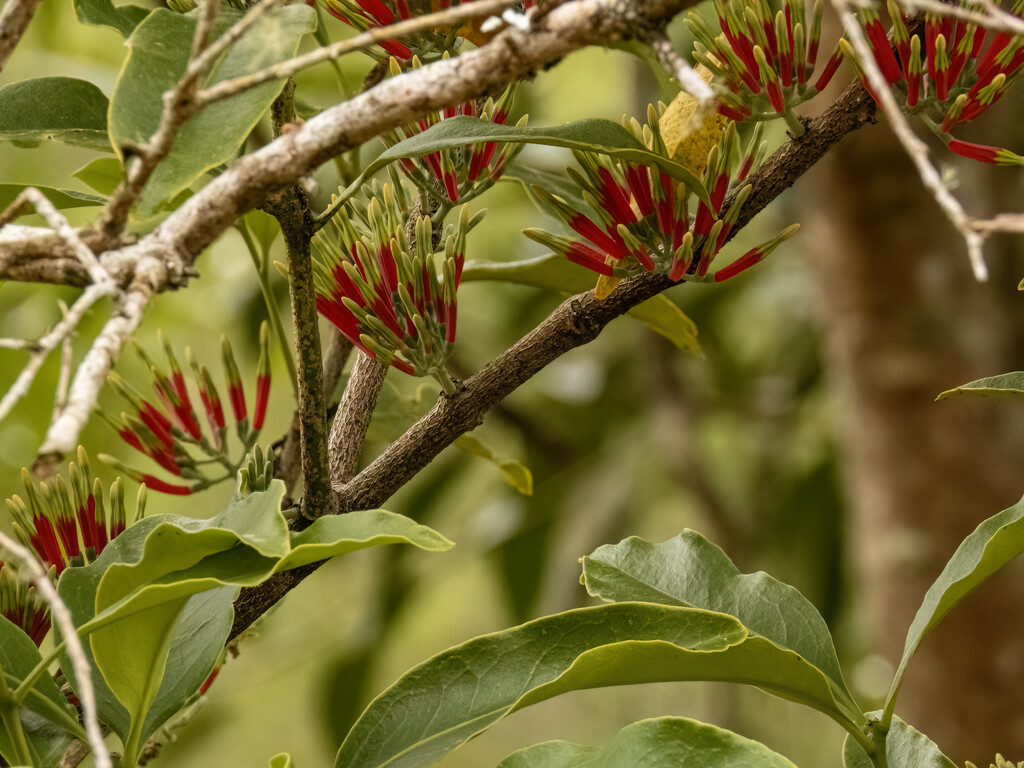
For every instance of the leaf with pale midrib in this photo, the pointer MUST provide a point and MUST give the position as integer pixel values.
(665, 742)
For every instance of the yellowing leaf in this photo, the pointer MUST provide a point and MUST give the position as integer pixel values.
(605, 286)
(687, 143)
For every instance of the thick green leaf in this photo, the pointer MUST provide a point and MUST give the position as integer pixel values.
(103, 13)
(461, 692)
(159, 53)
(552, 271)
(516, 474)
(334, 535)
(1005, 385)
(690, 570)
(54, 109)
(61, 198)
(195, 646)
(283, 760)
(664, 742)
(46, 717)
(988, 548)
(142, 605)
(602, 136)
(102, 174)
(904, 748)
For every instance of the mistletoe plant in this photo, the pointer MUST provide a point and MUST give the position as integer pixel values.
(116, 623)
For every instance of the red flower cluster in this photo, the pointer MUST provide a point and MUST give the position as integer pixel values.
(964, 69)
(166, 434)
(386, 294)
(761, 62)
(371, 14)
(66, 523)
(21, 606)
(639, 218)
(461, 171)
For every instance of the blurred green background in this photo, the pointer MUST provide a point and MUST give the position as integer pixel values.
(627, 436)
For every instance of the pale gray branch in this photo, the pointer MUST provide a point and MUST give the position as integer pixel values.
(62, 618)
(228, 88)
(14, 20)
(916, 149)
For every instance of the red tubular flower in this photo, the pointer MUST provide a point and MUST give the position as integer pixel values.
(21, 606)
(262, 379)
(458, 170)
(383, 291)
(236, 393)
(985, 154)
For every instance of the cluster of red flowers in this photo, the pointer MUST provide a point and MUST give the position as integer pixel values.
(460, 171)
(761, 61)
(165, 434)
(66, 523)
(371, 14)
(385, 294)
(964, 70)
(639, 215)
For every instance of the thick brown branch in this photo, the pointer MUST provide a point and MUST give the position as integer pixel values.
(353, 418)
(292, 212)
(577, 321)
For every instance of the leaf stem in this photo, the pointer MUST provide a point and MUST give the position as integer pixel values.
(263, 274)
(10, 714)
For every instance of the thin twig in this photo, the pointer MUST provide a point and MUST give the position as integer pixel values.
(62, 436)
(684, 74)
(916, 149)
(228, 88)
(42, 348)
(64, 377)
(62, 618)
(14, 20)
(353, 417)
(41, 203)
(179, 107)
(994, 18)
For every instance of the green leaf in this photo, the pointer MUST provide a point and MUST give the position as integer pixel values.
(195, 646)
(988, 548)
(103, 13)
(54, 109)
(334, 535)
(159, 50)
(140, 601)
(552, 271)
(516, 474)
(283, 760)
(61, 198)
(602, 136)
(664, 742)
(461, 692)
(1005, 385)
(102, 174)
(46, 717)
(690, 570)
(905, 747)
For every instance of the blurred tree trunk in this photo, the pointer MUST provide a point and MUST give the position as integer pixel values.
(904, 321)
